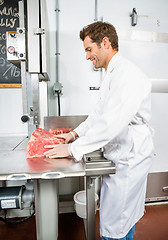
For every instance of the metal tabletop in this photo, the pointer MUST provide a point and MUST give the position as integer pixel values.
(15, 165)
(45, 172)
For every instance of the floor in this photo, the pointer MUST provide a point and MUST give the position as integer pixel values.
(153, 226)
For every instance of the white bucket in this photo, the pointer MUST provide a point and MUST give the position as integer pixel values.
(80, 203)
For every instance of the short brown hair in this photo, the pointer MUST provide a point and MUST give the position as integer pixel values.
(98, 30)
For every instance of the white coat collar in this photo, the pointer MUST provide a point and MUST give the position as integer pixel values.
(112, 62)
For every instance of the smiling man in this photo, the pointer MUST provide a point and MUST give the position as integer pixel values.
(119, 125)
(99, 55)
(99, 52)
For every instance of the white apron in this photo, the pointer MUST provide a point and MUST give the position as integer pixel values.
(119, 124)
(123, 194)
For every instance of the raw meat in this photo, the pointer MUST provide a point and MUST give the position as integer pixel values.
(60, 130)
(40, 138)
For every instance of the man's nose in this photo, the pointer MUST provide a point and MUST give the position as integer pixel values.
(87, 56)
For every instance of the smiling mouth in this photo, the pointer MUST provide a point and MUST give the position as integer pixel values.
(94, 61)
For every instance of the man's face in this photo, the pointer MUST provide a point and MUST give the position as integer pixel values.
(95, 53)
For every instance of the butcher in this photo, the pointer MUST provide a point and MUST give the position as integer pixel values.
(119, 124)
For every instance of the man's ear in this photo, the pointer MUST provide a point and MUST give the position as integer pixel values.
(106, 42)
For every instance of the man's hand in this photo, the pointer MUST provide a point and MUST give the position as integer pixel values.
(57, 151)
(69, 137)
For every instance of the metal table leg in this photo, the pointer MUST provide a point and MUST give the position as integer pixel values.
(46, 205)
(90, 207)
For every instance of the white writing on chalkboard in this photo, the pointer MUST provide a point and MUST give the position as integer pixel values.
(2, 49)
(2, 36)
(9, 12)
(2, 45)
(10, 69)
(10, 15)
(1, 2)
(7, 22)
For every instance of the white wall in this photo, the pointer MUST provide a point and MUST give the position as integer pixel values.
(76, 74)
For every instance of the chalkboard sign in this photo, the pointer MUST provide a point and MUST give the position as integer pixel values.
(10, 75)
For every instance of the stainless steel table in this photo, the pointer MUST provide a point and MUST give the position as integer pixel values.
(45, 173)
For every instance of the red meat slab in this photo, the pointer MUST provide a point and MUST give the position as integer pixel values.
(40, 138)
(60, 130)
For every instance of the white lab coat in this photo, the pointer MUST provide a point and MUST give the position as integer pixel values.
(119, 123)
